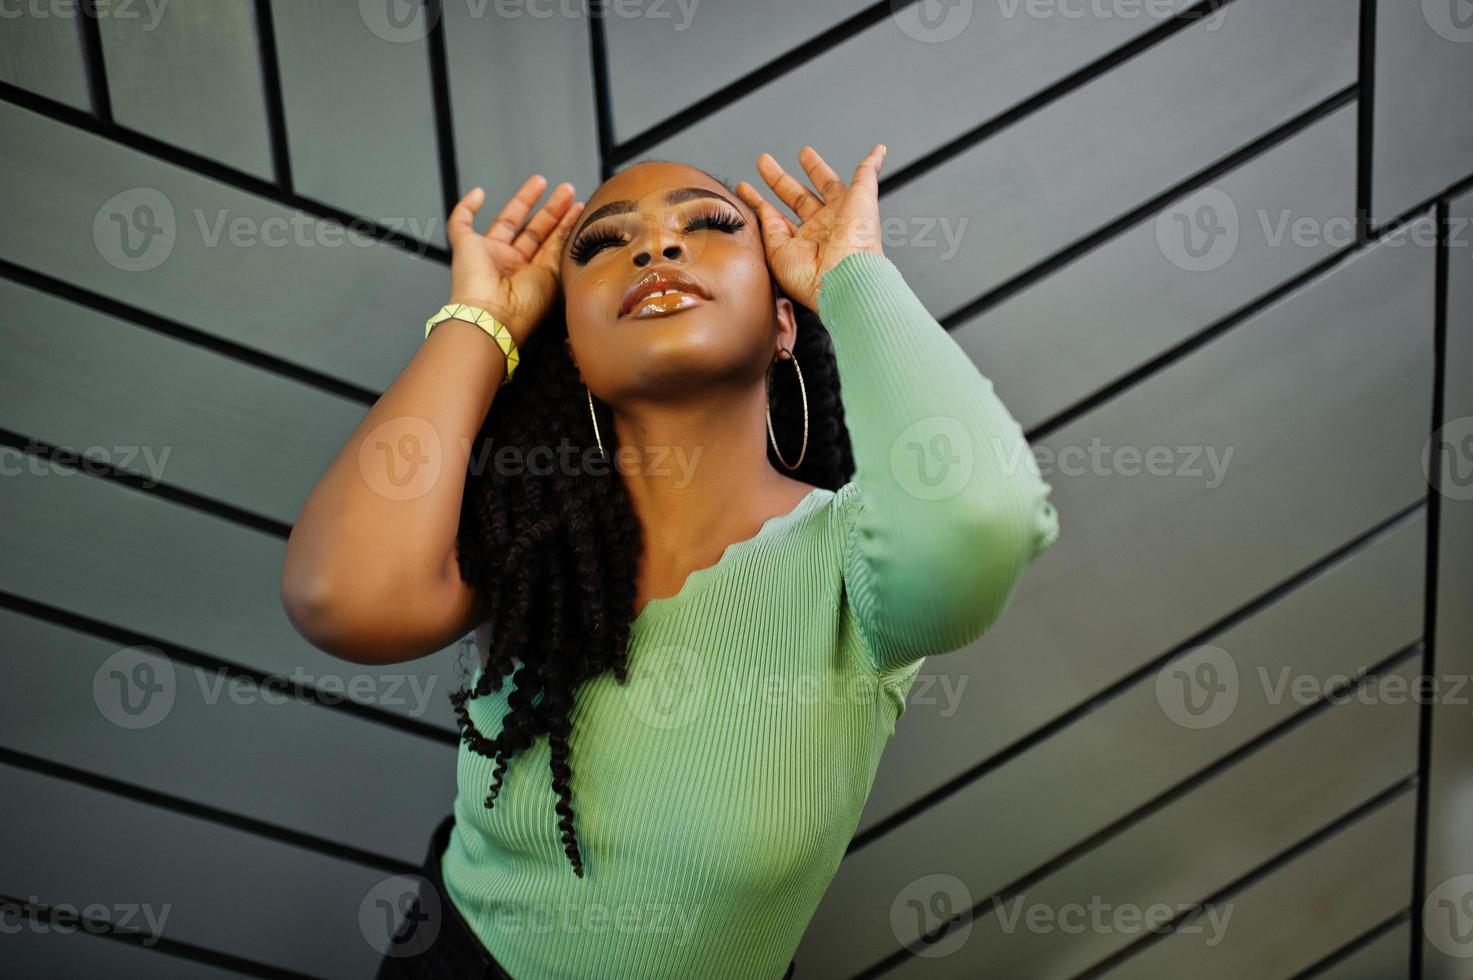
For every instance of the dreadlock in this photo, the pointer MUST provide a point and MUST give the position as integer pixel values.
(554, 556)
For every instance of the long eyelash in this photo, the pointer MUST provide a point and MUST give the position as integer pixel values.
(719, 218)
(591, 242)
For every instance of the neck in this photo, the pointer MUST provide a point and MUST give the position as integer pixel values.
(698, 474)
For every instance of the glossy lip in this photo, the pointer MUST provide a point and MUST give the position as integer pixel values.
(653, 281)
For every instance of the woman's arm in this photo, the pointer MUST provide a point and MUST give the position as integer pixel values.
(372, 571)
(947, 506)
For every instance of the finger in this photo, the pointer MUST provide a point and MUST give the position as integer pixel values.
(509, 222)
(764, 210)
(867, 174)
(788, 188)
(821, 174)
(550, 255)
(546, 219)
(776, 228)
(459, 224)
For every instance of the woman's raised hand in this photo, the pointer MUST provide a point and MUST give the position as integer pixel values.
(835, 220)
(511, 271)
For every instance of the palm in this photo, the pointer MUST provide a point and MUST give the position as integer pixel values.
(511, 271)
(836, 220)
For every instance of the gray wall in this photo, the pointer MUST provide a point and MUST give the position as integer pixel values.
(1217, 257)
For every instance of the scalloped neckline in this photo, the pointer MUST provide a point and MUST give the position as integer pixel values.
(700, 576)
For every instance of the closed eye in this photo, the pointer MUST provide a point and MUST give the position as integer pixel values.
(595, 240)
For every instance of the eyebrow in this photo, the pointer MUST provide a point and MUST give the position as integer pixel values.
(677, 196)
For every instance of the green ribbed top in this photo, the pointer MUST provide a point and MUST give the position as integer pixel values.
(716, 793)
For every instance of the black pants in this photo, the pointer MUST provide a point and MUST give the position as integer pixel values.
(439, 943)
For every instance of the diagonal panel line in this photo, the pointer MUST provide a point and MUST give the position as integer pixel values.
(215, 170)
(1159, 802)
(1302, 847)
(98, 467)
(1072, 715)
(1357, 944)
(192, 336)
(1274, 137)
(103, 929)
(92, 779)
(189, 657)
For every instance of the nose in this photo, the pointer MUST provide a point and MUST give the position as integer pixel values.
(657, 238)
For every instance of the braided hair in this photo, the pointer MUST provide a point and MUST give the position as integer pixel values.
(554, 556)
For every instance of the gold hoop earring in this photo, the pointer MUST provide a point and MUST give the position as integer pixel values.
(772, 436)
(602, 455)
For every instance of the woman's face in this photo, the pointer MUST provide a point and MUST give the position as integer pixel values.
(670, 218)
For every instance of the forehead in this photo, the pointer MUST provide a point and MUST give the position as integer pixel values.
(646, 183)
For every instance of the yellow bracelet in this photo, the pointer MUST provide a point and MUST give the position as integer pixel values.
(494, 327)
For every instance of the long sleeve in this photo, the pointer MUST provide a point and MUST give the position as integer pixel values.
(947, 506)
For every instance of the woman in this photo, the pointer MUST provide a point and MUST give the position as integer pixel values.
(699, 598)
